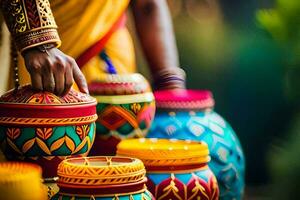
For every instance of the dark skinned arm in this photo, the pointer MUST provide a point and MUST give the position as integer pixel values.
(155, 31)
(50, 70)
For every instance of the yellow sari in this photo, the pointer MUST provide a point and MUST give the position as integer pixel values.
(81, 24)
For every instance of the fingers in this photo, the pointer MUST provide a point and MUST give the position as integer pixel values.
(54, 72)
(68, 80)
(79, 78)
(59, 76)
(48, 78)
(36, 80)
(36, 76)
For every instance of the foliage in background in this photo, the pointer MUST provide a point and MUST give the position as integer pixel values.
(283, 23)
(285, 165)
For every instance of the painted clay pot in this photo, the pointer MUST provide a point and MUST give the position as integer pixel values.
(176, 169)
(107, 178)
(43, 128)
(125, 108)
(22, 181)
(188, 114)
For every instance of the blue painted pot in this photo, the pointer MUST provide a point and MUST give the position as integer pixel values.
(189, 114)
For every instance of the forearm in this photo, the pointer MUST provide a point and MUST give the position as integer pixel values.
(30, 23)
(155, 31)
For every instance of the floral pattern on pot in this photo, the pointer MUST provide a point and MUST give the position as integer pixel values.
(200, 184)
(47, 146)
(48, 141)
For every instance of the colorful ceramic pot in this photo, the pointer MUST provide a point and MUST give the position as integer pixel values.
(176, 169)
(107, 178)
(188, 114)
(43, 128)
(21, 181)
(125, 108)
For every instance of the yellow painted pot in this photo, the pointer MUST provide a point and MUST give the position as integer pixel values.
(21, 181)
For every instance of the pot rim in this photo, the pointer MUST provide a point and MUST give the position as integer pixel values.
(184, 99)
(125, 99)
(101, 170)
(160, 152)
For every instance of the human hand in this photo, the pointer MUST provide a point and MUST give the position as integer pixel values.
(52, 70)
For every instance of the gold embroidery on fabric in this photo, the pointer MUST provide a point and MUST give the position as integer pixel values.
(15, 7)
(45, 13)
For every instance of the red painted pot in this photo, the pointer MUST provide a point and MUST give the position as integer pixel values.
(43, 128)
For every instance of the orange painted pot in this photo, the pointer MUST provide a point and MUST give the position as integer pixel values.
(107, 178)
(43, 128)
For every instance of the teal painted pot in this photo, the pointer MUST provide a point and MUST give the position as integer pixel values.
(102, 178)
(125, 108)
(189, 115)
(43, 128)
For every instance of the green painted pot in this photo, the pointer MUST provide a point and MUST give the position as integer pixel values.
(125, 108)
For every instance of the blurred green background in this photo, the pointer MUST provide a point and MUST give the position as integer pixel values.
(246, 53)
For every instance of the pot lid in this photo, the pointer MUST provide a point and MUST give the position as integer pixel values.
(27, 96)
(184, 99)
(27, 107)
(163, 152)
(120, 84)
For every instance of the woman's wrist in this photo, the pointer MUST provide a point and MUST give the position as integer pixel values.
(43, 48)
(169, 78)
